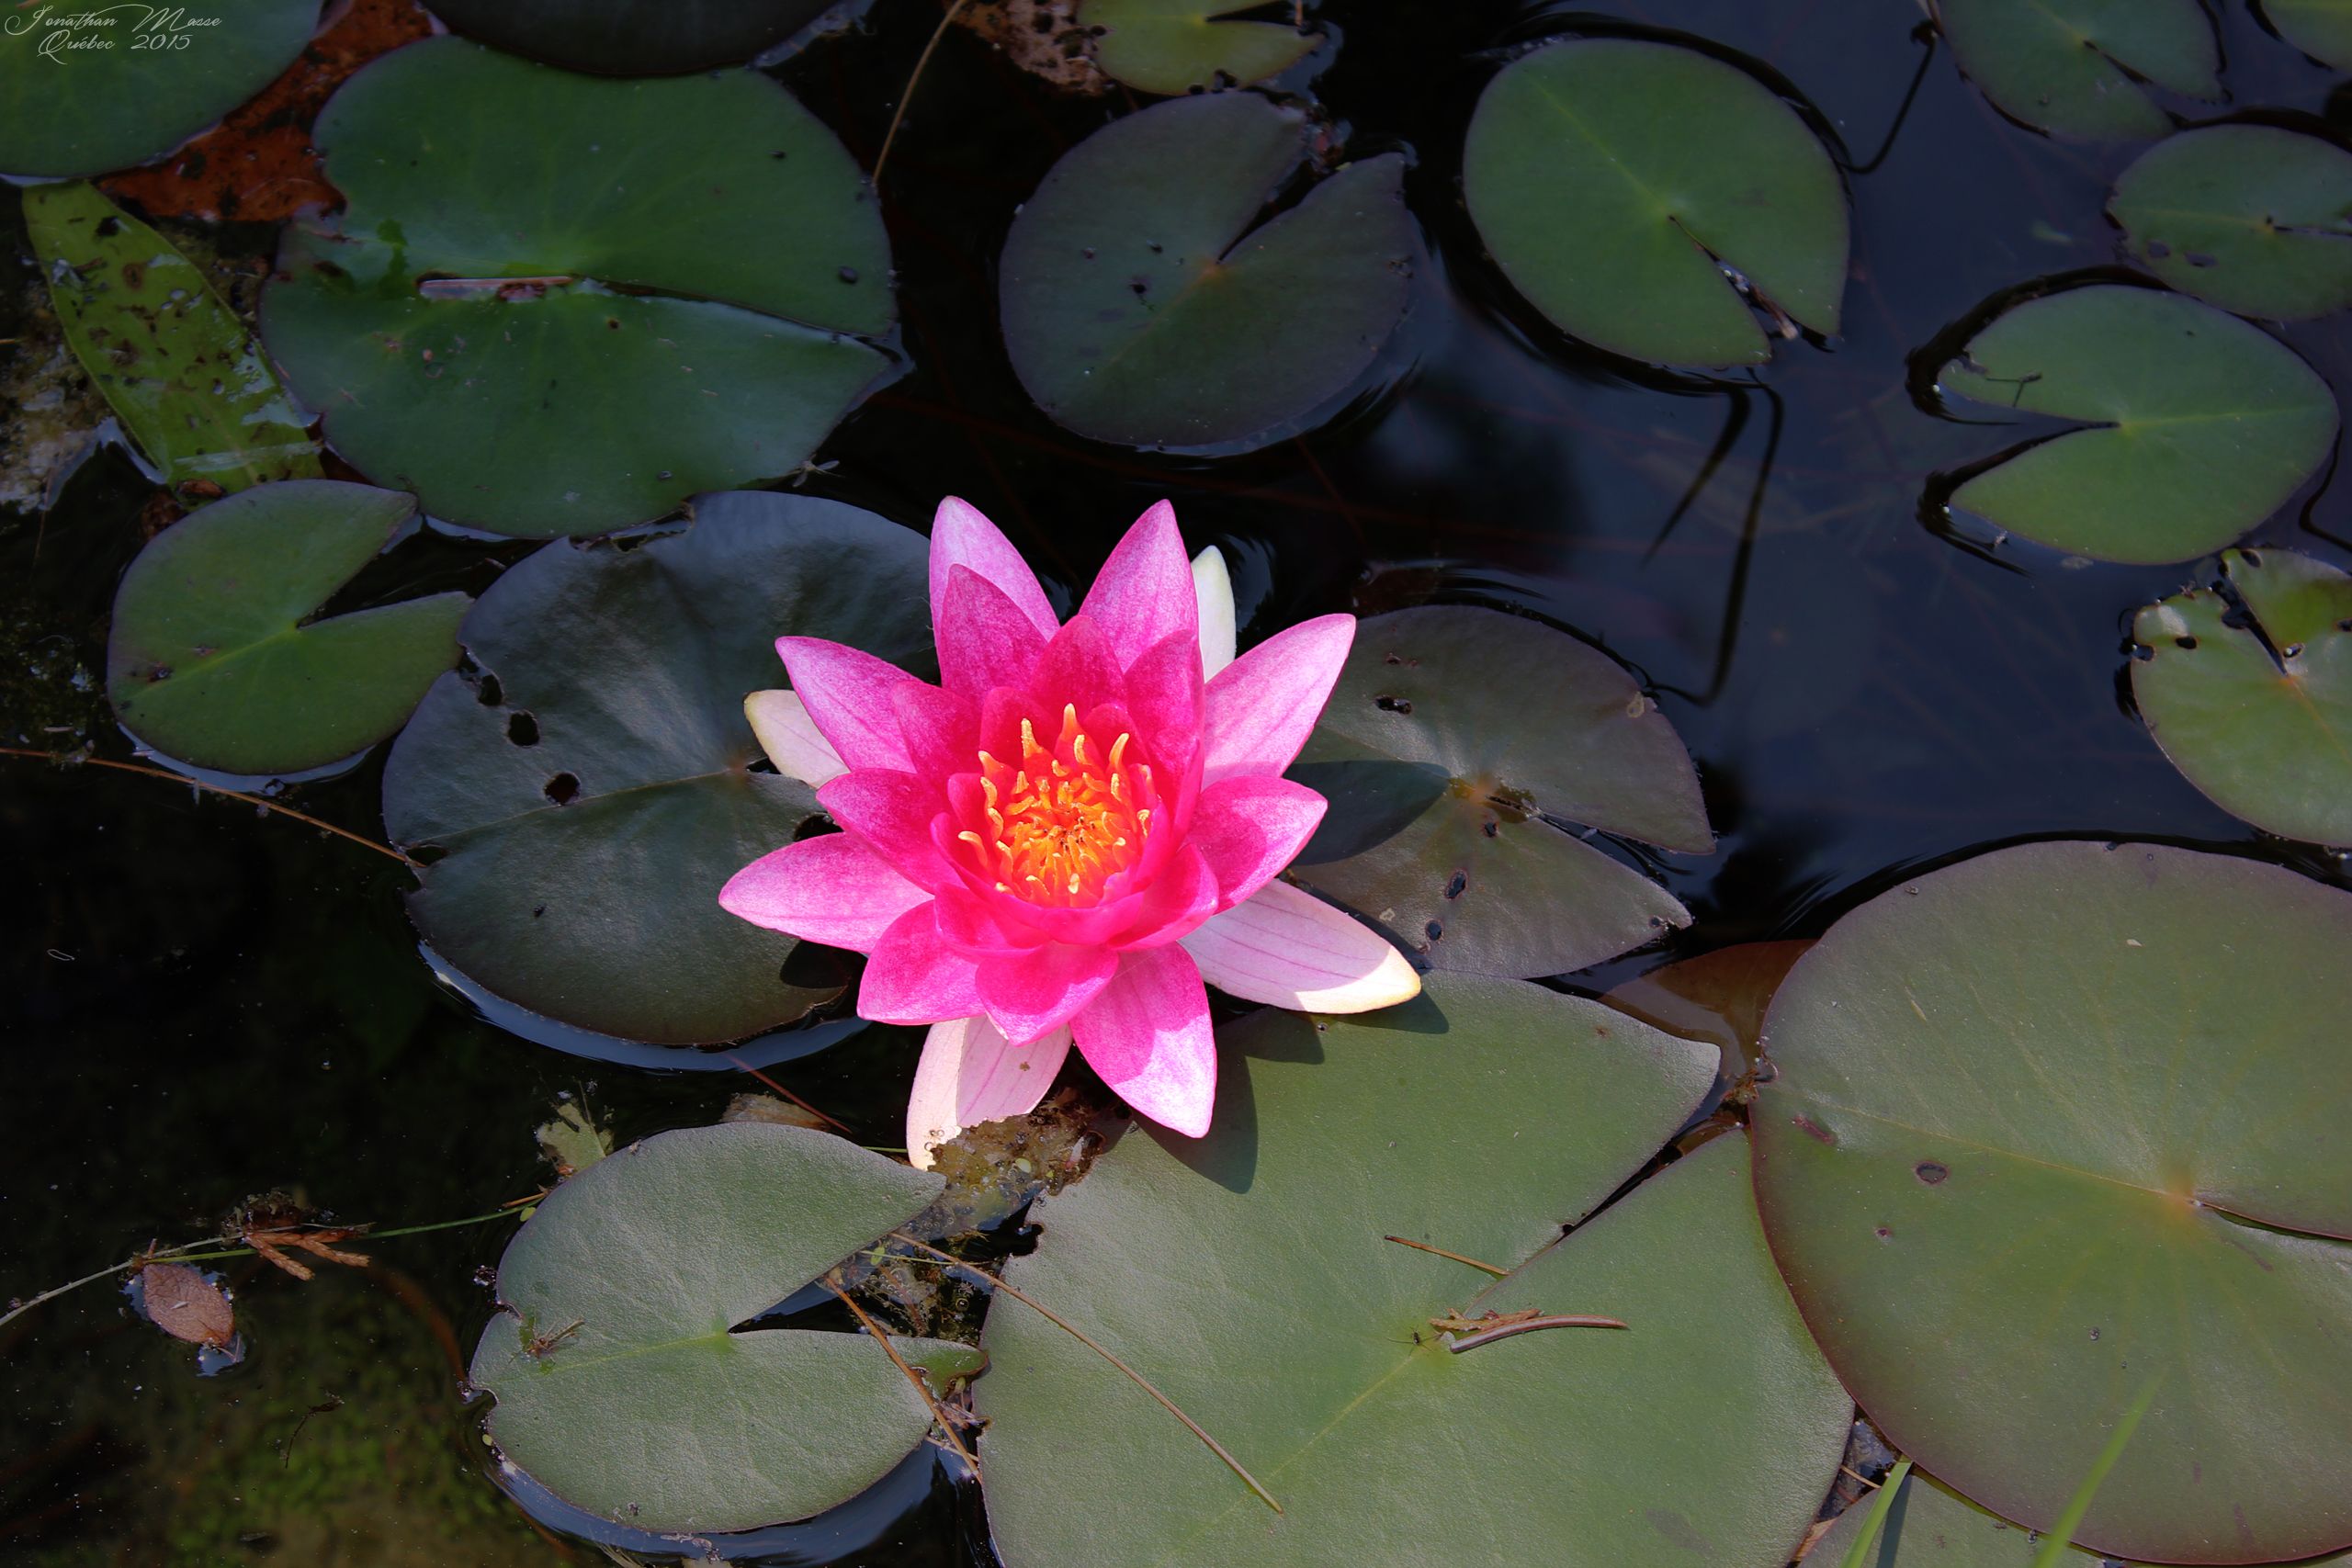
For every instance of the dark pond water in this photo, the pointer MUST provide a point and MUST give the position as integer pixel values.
(201, 1004)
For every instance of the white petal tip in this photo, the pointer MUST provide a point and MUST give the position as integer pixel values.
(1395, 980)
(1212, 586)
(1286, 948)
(781, 724)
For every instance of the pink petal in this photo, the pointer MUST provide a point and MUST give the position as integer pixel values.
(970, 926)
(1147, 1034)
(1212, 588)
(985, 641)
(960, 536)
(1076, 668)
(910, 978)
(892, 812)
(1249, 828)
(941, 730)
(1264, 704)
(970, 1074)
(1288, 949)
(1183, 895)
(831, 890)
(1034, 992)
(1164, 698)
(848, 694)
(780, 722)
(1145, 590)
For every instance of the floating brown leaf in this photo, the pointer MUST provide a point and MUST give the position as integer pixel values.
(257, 164)
(186, 1305)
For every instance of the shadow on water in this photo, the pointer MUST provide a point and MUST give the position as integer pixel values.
(201, 1004)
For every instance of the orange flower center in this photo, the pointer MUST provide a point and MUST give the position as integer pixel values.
(1066, 818)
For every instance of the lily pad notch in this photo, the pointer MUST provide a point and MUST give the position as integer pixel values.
(576, 342)
(1650, 200)
(1452, 781)
(2195, 426)
(626, 1376)
(214, 662)
(593, 787)
(2247, 689)
(1145, 303)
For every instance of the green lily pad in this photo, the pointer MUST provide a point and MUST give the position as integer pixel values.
(213, 662)
(2203, 425)
(632, 37)
(1175, 46)
(2258, 717)
(2321, 29)
(1616, 180)
(1453, 778)
(1247, 1277)
(2082, 67)
(89, 85)
(588, 808)
(620, 1382)
(576, 341)
(2061, 1119)
(2250, 217)
(172, 360)
(1141, 307)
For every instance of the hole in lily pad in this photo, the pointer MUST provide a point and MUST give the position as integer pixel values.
(1450, 792)
(2139, 1053)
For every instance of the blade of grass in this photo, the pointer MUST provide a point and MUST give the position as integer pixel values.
(1858, 1554)
(2061, 1534)
(1050, 1315)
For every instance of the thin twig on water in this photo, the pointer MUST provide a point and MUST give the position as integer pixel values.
(1425, 1246)
(998, 1282)
(914, 76)
(146, 771)
(922, 1389)
(828, 1121)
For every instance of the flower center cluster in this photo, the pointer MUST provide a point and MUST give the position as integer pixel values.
(1064, 818)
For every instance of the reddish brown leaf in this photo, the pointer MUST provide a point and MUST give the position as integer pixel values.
(257, 164)
(185, 1305)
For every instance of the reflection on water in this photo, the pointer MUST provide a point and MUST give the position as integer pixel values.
(201, 1005)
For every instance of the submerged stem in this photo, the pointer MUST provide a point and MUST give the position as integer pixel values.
(146, 771)
(999, 1282)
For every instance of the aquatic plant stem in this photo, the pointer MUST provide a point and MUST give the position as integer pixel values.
(1050, 1315)
(922, 1389)
(196, 1252)
(198, 783)
(914, 76)
(1858, 1554)
(1425, 1246)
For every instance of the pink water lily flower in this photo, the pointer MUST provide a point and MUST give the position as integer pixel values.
(1071, 832)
